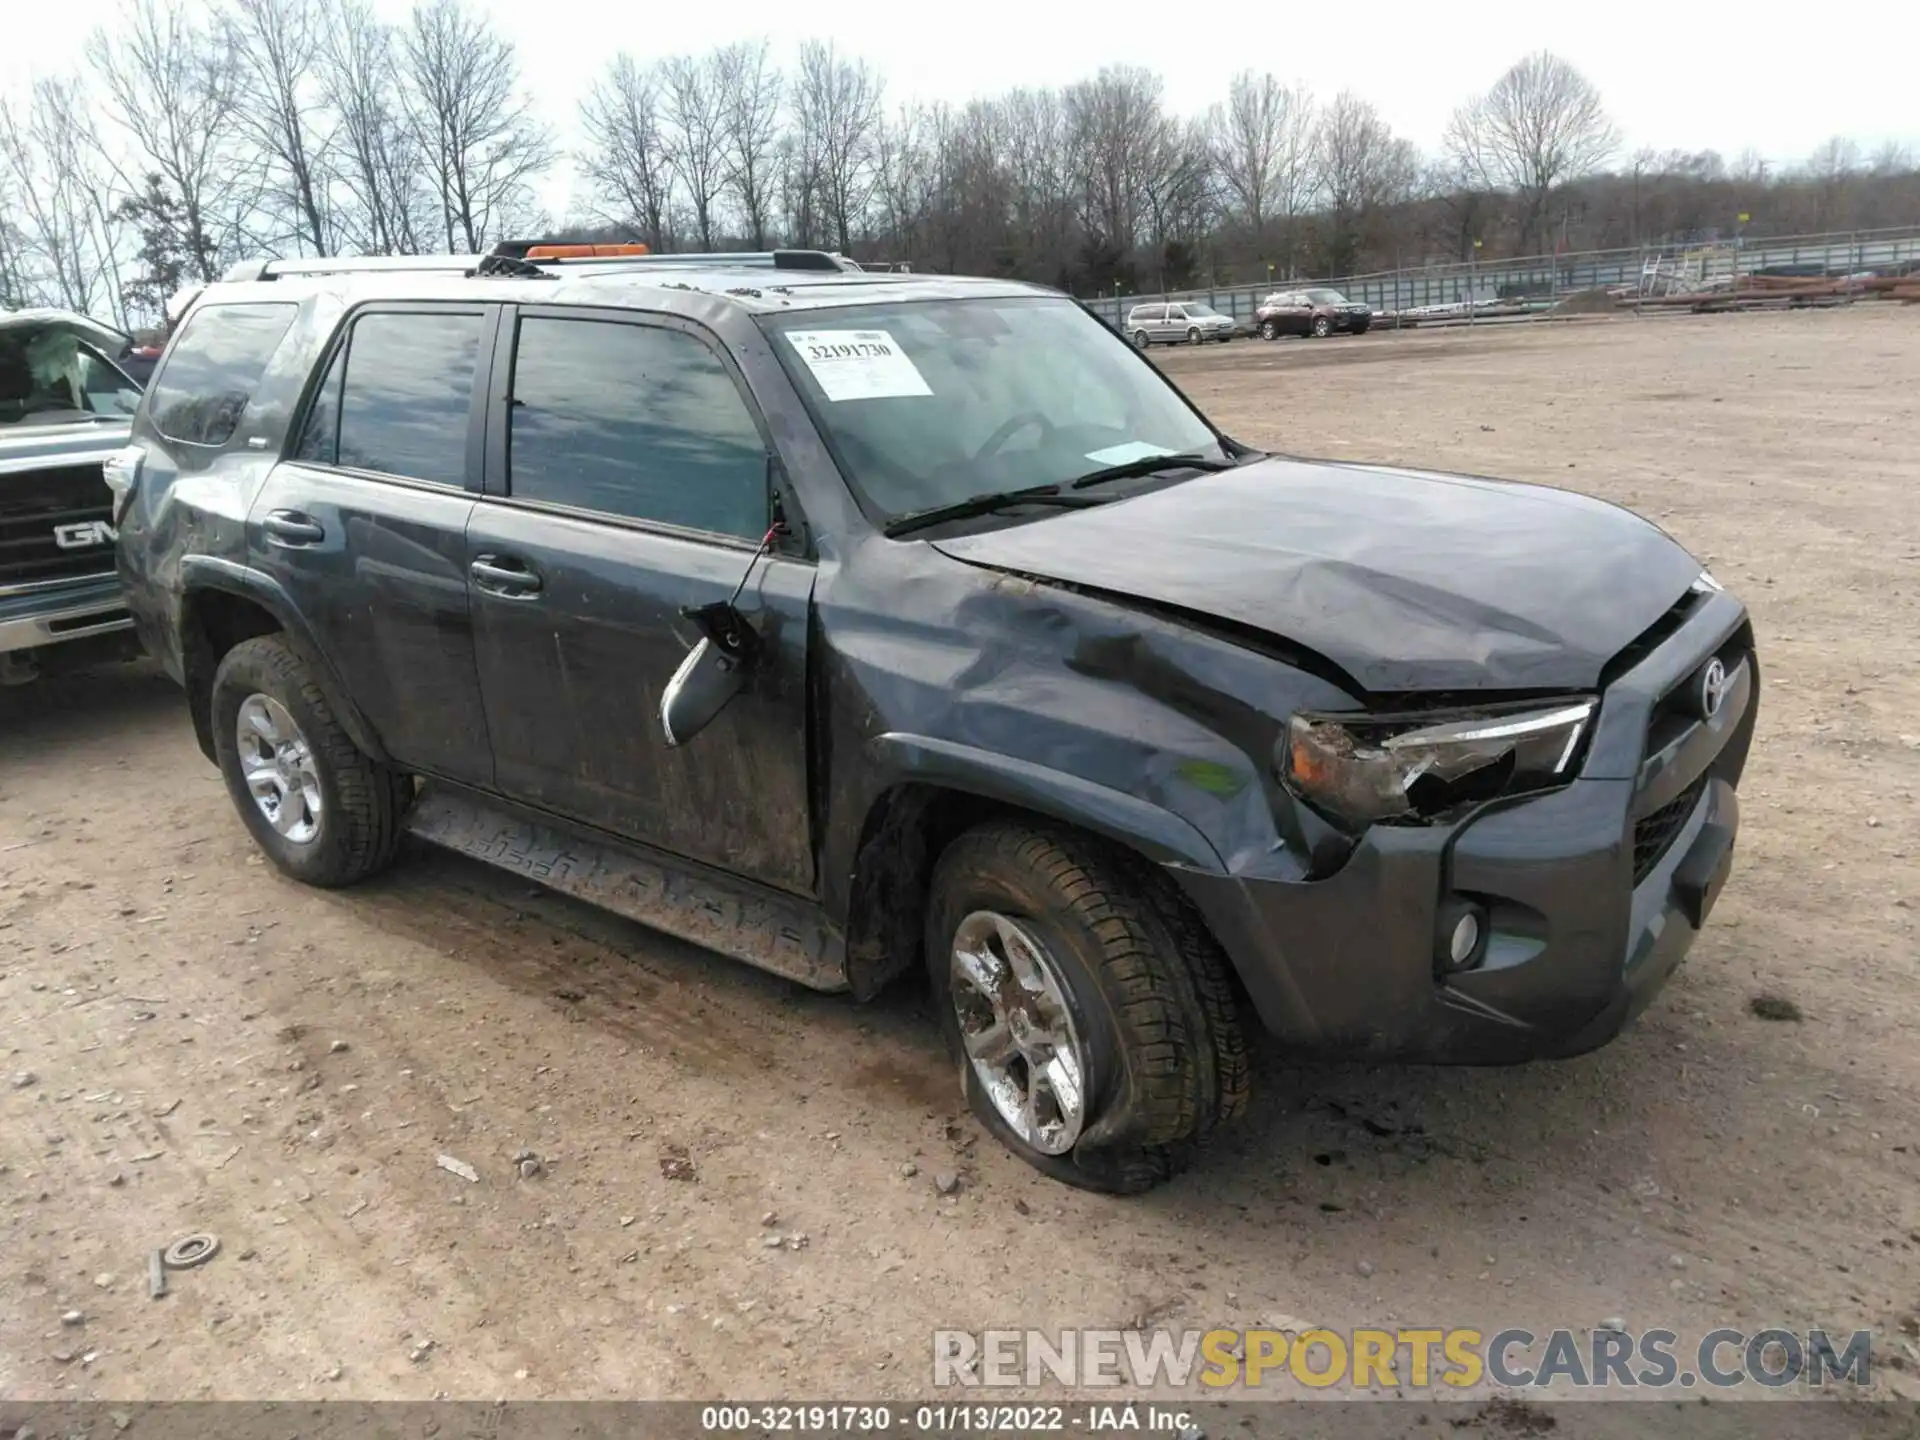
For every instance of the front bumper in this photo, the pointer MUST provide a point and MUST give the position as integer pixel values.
(56, 615)
(1577, 944)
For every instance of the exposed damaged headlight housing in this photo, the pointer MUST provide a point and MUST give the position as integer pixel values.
(1361, 769)
(1705, 584)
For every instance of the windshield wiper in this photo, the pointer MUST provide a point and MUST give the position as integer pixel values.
(986, 504)
(1150, 465)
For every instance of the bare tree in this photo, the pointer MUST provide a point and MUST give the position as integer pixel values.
(1117, 136)
(904, 185)
(626, 155)
(1540, 126)
(837, 116)
(61, 196)
(482, 141)
(383, 209)
(172, 87)
(278, 46)
(1891, 158)
(1364, 167)
(1262, 140)
(750, 88)
(695, 128)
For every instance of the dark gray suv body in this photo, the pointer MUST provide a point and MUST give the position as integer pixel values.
(850, 624)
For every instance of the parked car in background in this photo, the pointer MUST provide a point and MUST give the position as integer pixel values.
(138, 360)
(65, 409)
(1185, 322)
(1316, 311)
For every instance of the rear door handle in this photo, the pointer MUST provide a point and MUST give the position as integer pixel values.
(291, 529)
(504, 576)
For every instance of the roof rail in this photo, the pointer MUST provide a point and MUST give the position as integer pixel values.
(633, 258)
(347, 264)
(519, 256)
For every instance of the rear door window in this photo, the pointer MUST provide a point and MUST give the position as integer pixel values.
(397, 396)
(638, 421)
(216, 363)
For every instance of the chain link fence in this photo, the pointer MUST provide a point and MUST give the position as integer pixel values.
(1547, 279)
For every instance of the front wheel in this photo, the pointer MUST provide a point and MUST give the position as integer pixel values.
(1193, 336)
(1140, 340)
(1322, 327)
(1090, 1014)
(1269, 330)
(320, 809)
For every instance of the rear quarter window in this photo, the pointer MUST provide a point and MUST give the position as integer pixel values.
(214, 367)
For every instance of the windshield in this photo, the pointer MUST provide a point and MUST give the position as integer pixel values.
(1326, 297)
(52, 377)
(931, 402)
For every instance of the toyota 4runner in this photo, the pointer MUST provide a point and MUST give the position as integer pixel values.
(853, 623)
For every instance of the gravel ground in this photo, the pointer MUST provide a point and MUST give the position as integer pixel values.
(735, 1185)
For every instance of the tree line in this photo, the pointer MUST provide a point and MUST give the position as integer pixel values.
(194, 136)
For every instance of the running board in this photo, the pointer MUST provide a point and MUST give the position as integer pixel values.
(773, 932)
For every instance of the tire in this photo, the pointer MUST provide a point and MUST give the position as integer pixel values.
(1140, 340)
(1193, 336)
(355, 829)
(1269, 330)
(1151, 1014)
(1322, 327)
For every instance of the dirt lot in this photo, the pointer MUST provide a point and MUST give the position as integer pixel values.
(214, 1048)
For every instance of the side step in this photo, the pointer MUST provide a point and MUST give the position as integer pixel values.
(774, 932)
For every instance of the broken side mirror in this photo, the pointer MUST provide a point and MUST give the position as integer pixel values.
(711, 675)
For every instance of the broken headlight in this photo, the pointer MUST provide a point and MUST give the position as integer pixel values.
(1359, 769)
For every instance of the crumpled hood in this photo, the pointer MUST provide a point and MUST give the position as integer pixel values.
(1405, 580)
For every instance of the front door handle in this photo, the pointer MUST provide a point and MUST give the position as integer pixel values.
(503, 576)
(290, 529)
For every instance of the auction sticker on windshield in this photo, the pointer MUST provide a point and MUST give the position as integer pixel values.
(858, 364)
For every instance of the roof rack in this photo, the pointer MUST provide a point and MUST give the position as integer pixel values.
(521, 256)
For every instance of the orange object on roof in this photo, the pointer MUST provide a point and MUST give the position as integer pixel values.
(582, 252)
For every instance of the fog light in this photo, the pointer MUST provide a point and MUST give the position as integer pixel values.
(1460, 935)
(1466, 939)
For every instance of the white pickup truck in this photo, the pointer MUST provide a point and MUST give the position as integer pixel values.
(65, 409)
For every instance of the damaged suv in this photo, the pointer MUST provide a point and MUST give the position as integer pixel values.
(848, 624)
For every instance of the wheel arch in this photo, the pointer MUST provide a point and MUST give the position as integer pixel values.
(222, 604)
(932, 790)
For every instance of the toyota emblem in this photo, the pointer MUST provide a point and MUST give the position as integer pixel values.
(1713, 688)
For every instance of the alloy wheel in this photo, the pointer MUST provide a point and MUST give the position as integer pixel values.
(276, 761)
(1018, 1032)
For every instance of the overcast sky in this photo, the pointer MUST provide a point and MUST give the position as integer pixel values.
(1676, 75)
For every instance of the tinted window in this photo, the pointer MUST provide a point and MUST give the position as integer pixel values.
(215, 365)
(637, 421)
(397, 398)
(320, 437)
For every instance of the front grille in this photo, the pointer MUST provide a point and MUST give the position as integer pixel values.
(1653, 834)
(37, 505)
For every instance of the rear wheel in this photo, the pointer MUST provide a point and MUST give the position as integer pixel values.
(1094, 1026)
(319, 808)
(1140, 340)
